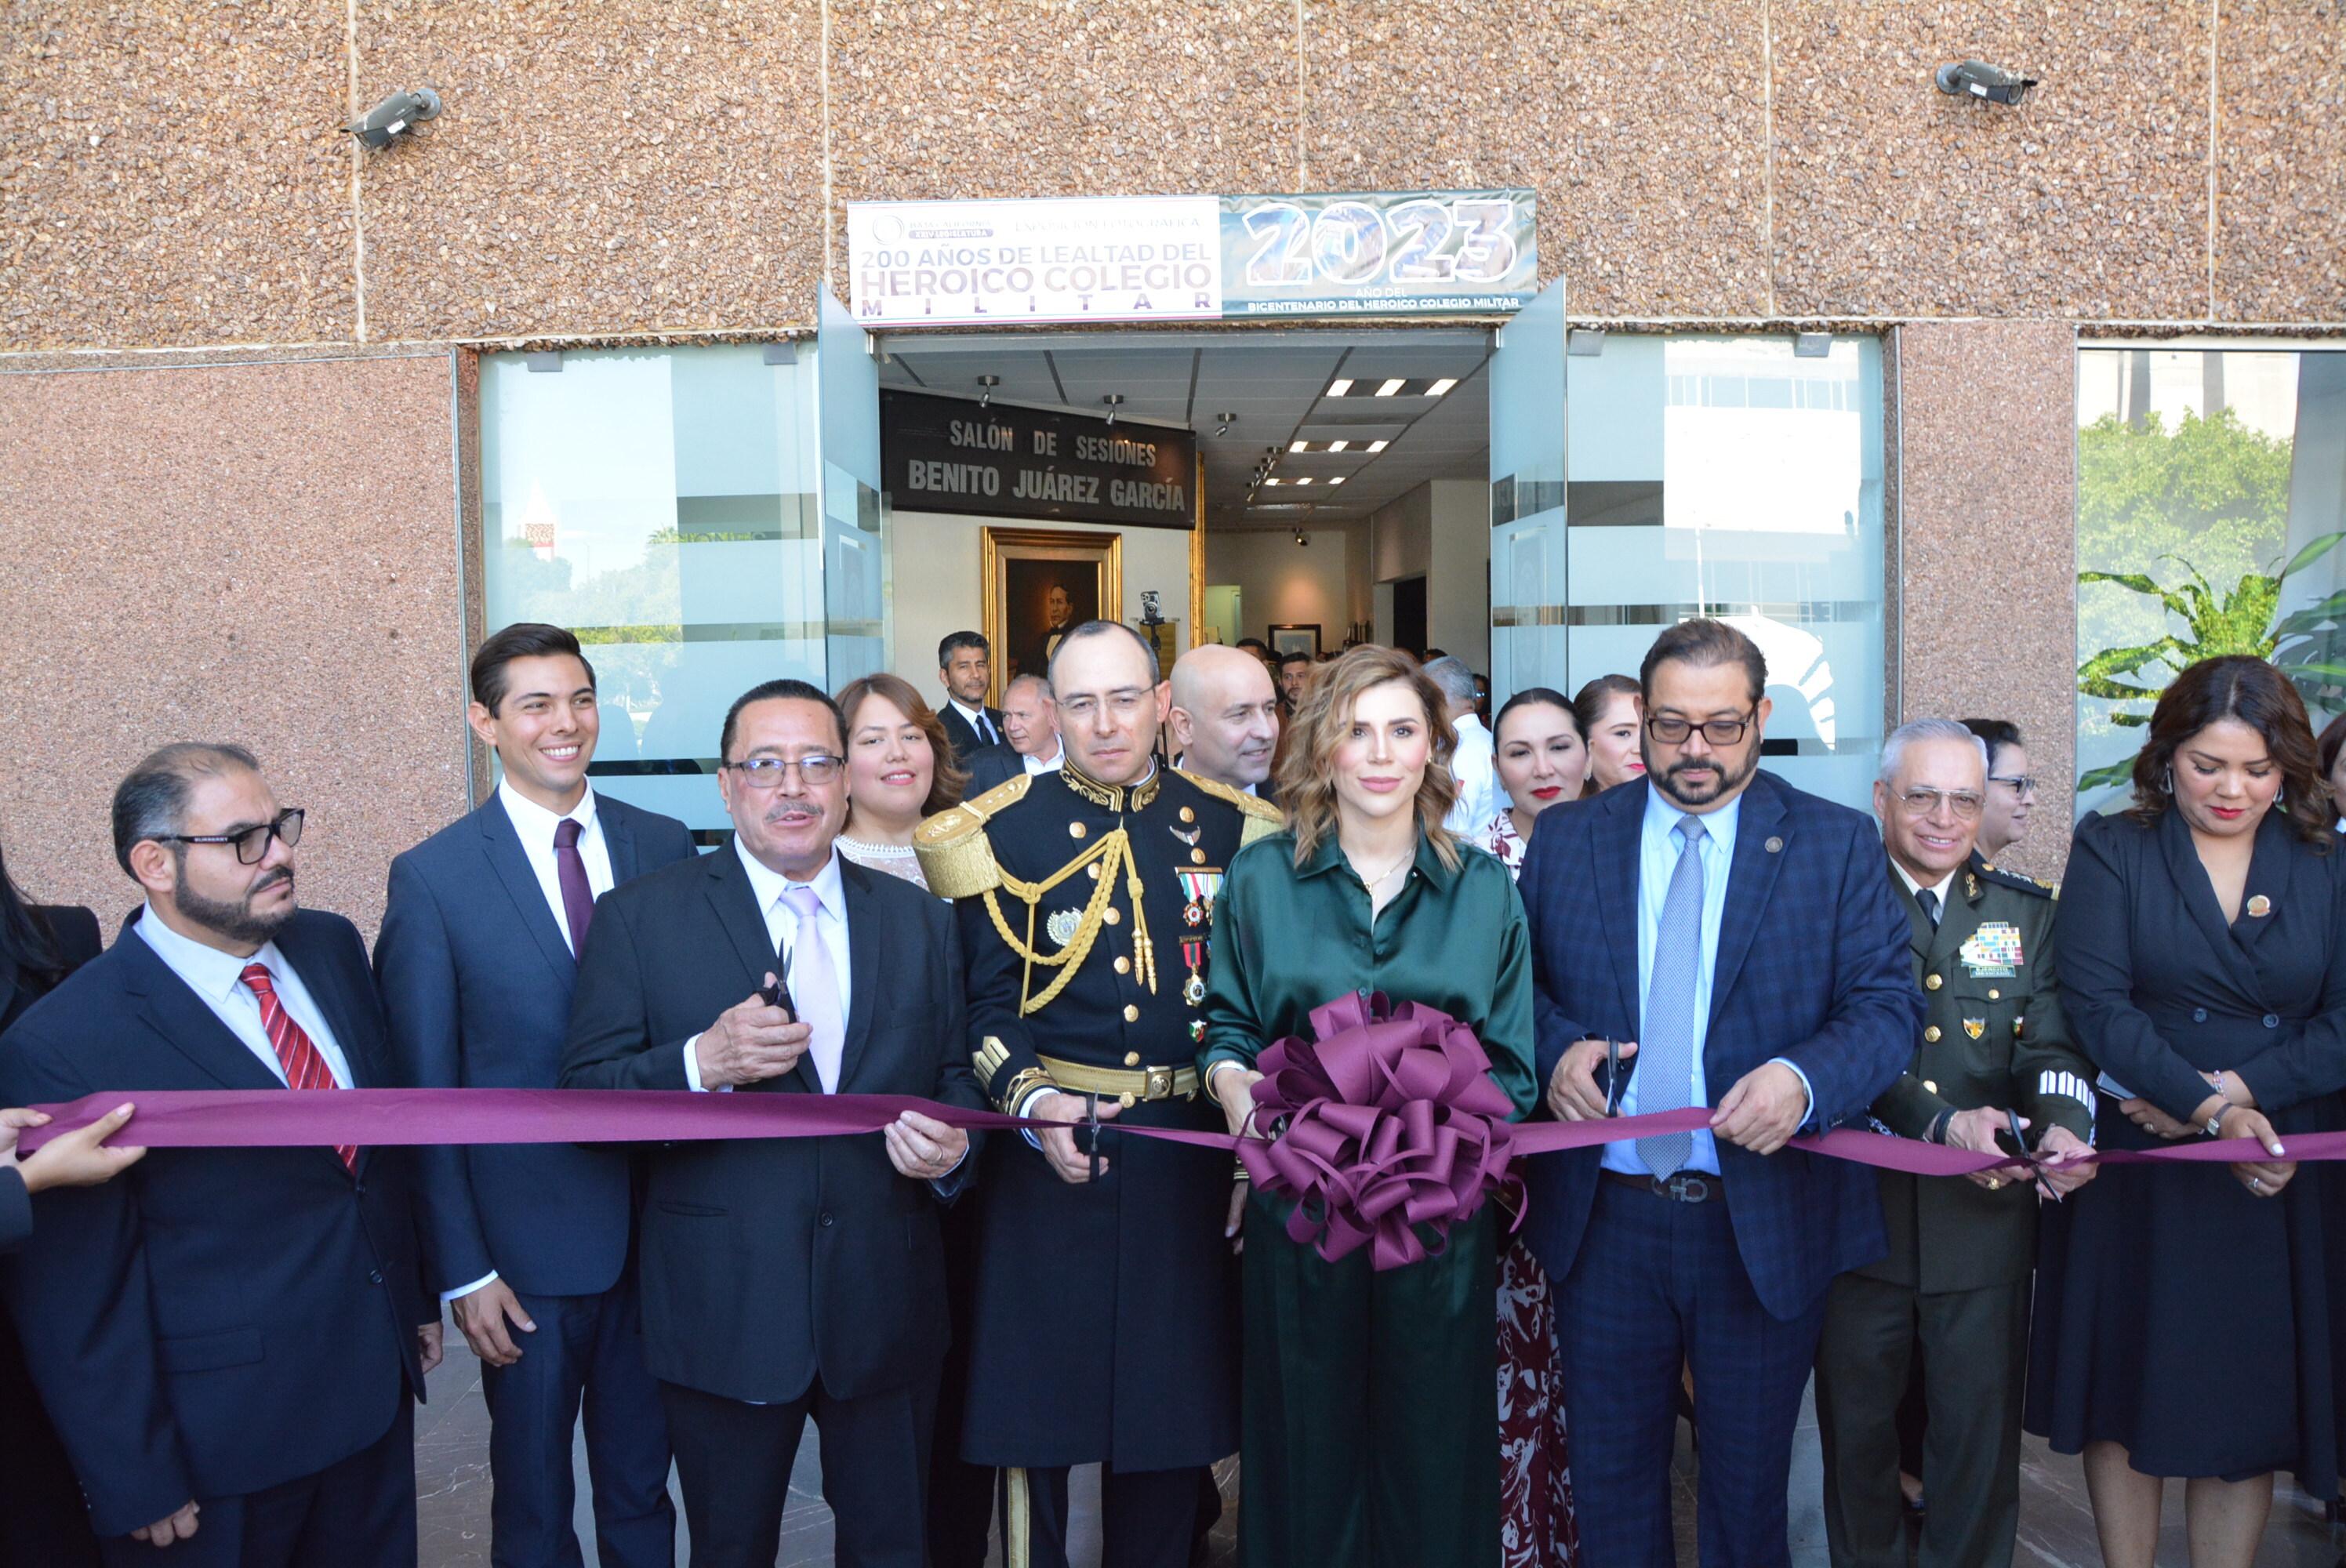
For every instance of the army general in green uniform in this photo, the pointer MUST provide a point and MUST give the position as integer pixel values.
(1955, 1284)
(1102, 1328)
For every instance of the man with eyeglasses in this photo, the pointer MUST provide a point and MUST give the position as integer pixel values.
(784, 1279)
(1103, 1329)
(1748, 958)
(232, 1342)
(1994, 1057)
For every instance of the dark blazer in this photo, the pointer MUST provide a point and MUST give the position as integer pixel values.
(990, 766)
(1828, 986)
(73, 930)
(966, 741)
(766, 1261)
(2158, 988)
(477, 979)
(213, 1322)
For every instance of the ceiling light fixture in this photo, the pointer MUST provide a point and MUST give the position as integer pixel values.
(1444, 386)
(1338, 480)
(1338, 446)
(1339, 388)
(1379, 445)
(1114, 402)
(1390, 387)
(1273, 480)
(1305, 480)
(1299, 446)
(989, 383)
(1223, 423)
(1302, 538)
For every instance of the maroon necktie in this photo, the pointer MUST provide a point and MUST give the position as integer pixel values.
(304, 1067)
(570, 868)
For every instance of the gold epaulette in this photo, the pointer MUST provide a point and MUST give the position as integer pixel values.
(2020, 882)
(955, 855)
(1262, 818)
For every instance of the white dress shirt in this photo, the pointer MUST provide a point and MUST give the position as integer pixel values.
(218, 978)
(536, 825)
(1035, 765)
(1937, 890)
(1475, 767)
(767, 886)
(977, 720)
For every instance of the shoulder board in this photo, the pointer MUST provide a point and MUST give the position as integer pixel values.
(955, 855)
(2035, 887)
(1262, 818)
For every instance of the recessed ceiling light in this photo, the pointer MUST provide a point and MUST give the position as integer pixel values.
(1444, 386)
(1270, 481)
(1379, 445)
(1305, 480)
(1390, 387)
(1338, 480)
(1338, 446)
(1299, 446)
(1339, 388)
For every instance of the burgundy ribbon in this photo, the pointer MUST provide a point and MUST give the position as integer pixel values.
(1392, 1123)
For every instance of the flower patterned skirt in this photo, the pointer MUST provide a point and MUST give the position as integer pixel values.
(1537, 1526)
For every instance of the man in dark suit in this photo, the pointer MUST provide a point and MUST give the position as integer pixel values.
(1030, 729)
(970, 725)
(229, 1340)
(1749, 956)
(794, 1276)
(1223, 714)
(531, 1244)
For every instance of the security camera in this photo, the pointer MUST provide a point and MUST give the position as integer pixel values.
(1978, 79)
(395, 117)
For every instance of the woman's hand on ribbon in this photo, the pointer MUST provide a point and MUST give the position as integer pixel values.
(1571, 1091)
(1232, 1086)
(2065, 1162)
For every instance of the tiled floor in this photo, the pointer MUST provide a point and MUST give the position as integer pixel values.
(2056, 1528)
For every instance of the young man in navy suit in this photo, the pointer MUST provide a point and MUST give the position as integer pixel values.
(229, 1340)
(1745, 956)
(532, 1244)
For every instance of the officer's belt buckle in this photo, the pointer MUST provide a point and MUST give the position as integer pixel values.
(1132, 1086)
(1160, 1082)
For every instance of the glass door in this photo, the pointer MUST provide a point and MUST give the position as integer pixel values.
(854, 533)
(1527, 499)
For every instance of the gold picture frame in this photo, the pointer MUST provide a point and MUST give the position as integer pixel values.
(1019, 569)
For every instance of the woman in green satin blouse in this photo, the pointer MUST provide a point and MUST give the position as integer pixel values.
(1367, 1413)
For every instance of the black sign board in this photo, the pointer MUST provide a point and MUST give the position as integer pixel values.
(948, 455)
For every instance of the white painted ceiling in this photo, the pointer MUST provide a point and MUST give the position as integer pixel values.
(1273, 380)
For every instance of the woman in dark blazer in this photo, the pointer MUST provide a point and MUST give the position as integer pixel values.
(46, 1523)
(2183, 1327)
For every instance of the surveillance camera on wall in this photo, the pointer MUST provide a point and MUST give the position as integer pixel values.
(1978, 79)
(396, 115)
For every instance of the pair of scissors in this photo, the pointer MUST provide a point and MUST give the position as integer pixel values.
(1092, 1120)
(1613, 1085)
(2028, 1159)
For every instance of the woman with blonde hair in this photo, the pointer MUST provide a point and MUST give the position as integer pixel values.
(1367, 1409)
(899, 769)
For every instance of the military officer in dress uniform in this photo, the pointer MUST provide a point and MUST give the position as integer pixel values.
(1955, 1285)
(1101, 1329)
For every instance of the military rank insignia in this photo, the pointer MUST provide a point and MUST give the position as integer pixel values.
(1975, 1027)
(1993, 950)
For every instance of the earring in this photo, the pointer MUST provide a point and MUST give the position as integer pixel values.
(2167, 783)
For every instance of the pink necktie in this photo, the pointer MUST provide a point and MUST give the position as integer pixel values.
(814, 986)
(304, 1067)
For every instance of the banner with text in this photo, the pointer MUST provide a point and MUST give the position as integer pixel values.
(948, 455)
(1190, 258)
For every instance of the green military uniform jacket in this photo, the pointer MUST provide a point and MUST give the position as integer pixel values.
(1993, 1035)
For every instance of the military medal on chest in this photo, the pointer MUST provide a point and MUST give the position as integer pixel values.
(1993, 950)
(1198, 887)
(1193, 954)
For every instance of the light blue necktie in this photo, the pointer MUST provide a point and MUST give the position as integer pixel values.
(1665, 1056)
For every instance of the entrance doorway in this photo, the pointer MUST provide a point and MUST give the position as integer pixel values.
(1409, 615)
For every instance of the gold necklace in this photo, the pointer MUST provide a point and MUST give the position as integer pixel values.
(1373, 884)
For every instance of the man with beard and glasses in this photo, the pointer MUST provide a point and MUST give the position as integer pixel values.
(788, 1278)
(1754, 964)
(230, 1340)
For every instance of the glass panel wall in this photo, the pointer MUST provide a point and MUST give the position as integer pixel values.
(662, 506)
(1735, 477)
(2211, 494)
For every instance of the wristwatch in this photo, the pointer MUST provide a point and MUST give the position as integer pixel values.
(2214, 1127)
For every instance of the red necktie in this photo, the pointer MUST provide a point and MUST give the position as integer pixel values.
(304, 1067)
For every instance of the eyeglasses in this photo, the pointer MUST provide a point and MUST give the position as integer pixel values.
(251, 843)
(767, 772)
(1671, 730)
(1926, 802)
(2021, 783)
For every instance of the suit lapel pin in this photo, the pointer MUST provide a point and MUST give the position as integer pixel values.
(2260, 907)
(1774, 846)
(1974, 1027)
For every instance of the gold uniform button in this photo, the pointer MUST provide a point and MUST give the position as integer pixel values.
(1128, 1099)
(1131, 1058)
(1993, 994)
(1929, 1086)
(1188, 815)
(1112, 914)
(1075, 829)
(1093, 869)
(1197, 857)
(1932, 982)
(1131, 1013)
(1931, 1034)
(1124, 966)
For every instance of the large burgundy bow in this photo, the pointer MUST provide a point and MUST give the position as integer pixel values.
(1393, 1122)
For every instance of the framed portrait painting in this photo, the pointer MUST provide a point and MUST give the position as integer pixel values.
(1040, 583)
(1302, 639)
